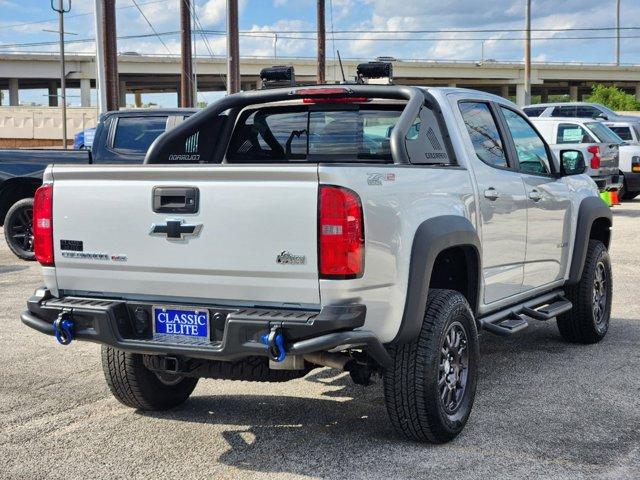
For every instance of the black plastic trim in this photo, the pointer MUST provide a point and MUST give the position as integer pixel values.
(109, 322)
(432, 237)
(591, 209)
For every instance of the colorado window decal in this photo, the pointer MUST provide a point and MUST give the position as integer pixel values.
(190, 150)
(191, 145)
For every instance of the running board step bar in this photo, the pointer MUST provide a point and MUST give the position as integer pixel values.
(548, 311)
(512, 319)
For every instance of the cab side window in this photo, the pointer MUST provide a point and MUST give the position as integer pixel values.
(584, 111)
(572, 133)
(484, 134)
(530, 148)
(623, 132)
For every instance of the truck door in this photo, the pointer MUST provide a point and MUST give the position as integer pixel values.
(502, 203)
(548, 204)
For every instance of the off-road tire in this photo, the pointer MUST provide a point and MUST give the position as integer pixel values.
(135, 386)
(20, 208)
(580, 325)
(411, 390)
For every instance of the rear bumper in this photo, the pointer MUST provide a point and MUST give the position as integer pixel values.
(609, 182)
(632, 181)
(234, 332)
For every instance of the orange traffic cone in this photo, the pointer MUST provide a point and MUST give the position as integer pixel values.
(614, 198)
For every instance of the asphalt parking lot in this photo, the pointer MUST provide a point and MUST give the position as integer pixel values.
(543, 408)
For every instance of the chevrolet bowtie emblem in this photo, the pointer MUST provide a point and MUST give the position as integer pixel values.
(176, 229)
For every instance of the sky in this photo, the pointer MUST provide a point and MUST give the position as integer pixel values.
(23, 21)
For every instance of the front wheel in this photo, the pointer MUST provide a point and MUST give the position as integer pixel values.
(588, 320)
(430, 387)
(134, 385)
(18, 229)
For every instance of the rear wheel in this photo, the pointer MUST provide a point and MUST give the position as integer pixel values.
(625, 194)
(18, 229)
(136, 386)
(588, 320)
(430, 387)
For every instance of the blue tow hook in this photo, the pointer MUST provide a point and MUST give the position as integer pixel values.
(63, 328)
(274, 340)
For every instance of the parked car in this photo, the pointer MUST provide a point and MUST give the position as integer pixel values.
(302, 235)
(576, 110)
(84, 139)
(120, 137)
(598, 145)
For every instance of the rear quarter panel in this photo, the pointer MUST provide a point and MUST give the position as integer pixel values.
(395, 201)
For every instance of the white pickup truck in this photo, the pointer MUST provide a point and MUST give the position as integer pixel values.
(374, 229)
(598, 144)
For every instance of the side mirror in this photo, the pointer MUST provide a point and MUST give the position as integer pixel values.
(572, 162)
(602, 116)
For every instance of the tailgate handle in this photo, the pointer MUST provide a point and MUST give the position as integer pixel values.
(176, 199)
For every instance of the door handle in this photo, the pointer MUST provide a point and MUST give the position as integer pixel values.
(491, 193)
(535, 195)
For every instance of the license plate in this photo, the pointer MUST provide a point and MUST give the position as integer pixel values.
(183, 322)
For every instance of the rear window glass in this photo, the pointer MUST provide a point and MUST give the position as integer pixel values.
(294, 134)
(534, 111)
(623, 132)
(136, 134)
(603, 133)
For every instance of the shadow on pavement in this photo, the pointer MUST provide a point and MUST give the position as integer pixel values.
(522, 411)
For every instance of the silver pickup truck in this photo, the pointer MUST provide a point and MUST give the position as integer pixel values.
(373, 229)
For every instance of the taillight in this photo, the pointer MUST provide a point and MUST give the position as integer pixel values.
(594, 150)
(635, 164)
(340, 233)
(43, 225)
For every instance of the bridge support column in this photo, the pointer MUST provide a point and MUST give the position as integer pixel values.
(138, 99)
(573, 93)
(451, 85)
(544, 96)
(14, 97)
(85, 92)
(123, 94)
(520, 95)
(53, 93)
(504, 91)
(638, 92)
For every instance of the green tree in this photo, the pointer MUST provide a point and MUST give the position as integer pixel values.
(614, 98)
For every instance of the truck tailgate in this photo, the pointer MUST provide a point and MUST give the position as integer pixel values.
(608, 159)
(247, 217)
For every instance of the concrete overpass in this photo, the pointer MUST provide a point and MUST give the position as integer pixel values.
(153, 74)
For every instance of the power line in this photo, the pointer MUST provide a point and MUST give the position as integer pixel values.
(150, 25)
(313, 38)
(38, 22)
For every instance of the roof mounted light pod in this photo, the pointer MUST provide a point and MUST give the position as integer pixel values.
(278, 76)
(380, 73)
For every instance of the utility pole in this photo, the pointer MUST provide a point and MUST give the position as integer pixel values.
(321, 43)
(62, 9)
(233, 48)
(111, 83)
(100, 70)
(618, 32)
(186, 74)
(527, 54)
